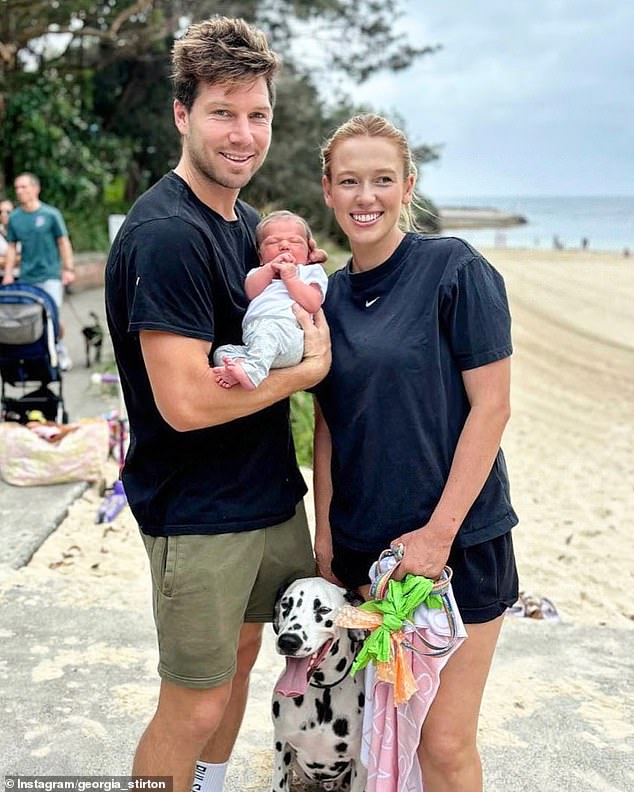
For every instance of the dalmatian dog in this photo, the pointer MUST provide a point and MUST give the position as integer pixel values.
(317, 705)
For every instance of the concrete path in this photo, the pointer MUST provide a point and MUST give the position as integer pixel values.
(78, 658)
(29, 514)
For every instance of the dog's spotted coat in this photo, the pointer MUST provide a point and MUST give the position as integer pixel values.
(318, 731)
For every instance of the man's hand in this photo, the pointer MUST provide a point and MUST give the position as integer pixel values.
(316, 343)
(68, 277)
(7, 279)
(426, 552)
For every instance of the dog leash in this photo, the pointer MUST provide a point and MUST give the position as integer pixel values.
(384, 568)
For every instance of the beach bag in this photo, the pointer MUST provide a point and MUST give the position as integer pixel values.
(21, 323)
(27, 459)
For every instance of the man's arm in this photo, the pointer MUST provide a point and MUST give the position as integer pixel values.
(188, 396)
(66, 255)
(9, 264)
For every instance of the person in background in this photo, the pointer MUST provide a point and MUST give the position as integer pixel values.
(409, 422)
(6, 207)
(46, 255)
(211, 475)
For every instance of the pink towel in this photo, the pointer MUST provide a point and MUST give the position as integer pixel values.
(391, 734)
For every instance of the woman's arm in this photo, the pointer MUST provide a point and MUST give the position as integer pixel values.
(322, 490)
(488, 391)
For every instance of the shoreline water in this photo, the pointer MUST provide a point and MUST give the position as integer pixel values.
(605, 223)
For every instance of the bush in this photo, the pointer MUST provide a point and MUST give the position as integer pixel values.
(88, 229)
(303, 421)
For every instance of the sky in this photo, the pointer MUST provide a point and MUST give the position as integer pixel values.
(526, 98)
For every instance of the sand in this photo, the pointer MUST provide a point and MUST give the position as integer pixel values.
(569, 448)
(570, 442)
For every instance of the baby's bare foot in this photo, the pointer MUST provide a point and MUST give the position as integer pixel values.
(221, 379)
(234, 373)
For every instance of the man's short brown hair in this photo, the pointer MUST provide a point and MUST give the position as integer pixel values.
(222, 51)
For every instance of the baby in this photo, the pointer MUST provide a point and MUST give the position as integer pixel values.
(272, 337)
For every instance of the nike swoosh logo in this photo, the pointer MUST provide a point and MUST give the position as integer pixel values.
(368, 303)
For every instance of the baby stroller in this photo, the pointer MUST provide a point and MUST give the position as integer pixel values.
(29, 331)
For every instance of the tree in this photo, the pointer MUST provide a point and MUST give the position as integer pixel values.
(102, 68)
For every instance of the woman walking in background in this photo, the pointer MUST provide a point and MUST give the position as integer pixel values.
(409, 422)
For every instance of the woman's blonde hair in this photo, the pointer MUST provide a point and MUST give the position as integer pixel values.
(372, 125)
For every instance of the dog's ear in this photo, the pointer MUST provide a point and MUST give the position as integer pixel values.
(357, 636)
(353, 597)
(276, 609)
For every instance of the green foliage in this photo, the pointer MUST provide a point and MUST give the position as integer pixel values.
(303, 421)
(89, 111)
(88, 228)
(48, 134)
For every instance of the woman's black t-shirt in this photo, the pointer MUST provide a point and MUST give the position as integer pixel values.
(394, 400)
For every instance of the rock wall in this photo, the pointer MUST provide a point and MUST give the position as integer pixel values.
(89, 271)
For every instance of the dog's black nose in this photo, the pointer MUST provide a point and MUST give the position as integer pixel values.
(289, 643)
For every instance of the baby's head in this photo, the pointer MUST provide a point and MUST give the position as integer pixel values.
(283, 232)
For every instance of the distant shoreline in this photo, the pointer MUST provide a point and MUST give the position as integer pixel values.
(452, 217)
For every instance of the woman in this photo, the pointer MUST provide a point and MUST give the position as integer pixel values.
(409, 422)
(6, 207)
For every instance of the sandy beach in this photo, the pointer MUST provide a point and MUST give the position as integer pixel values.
(569, 448)
(570, 442)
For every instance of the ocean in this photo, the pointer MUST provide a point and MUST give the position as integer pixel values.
(606, 222)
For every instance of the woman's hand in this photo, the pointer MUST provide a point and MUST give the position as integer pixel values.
(426, 552)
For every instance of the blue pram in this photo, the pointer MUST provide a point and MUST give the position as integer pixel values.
(29, 331)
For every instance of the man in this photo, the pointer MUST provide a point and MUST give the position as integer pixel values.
(46, 253)
(211, 474)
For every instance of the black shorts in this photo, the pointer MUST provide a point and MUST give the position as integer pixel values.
(484, 579)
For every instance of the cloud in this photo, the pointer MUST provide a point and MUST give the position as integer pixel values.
(527, 98)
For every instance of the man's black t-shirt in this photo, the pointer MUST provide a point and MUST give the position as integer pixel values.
(177, 266)
(394, 400)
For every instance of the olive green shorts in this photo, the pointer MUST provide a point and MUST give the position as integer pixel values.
(205, 587)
